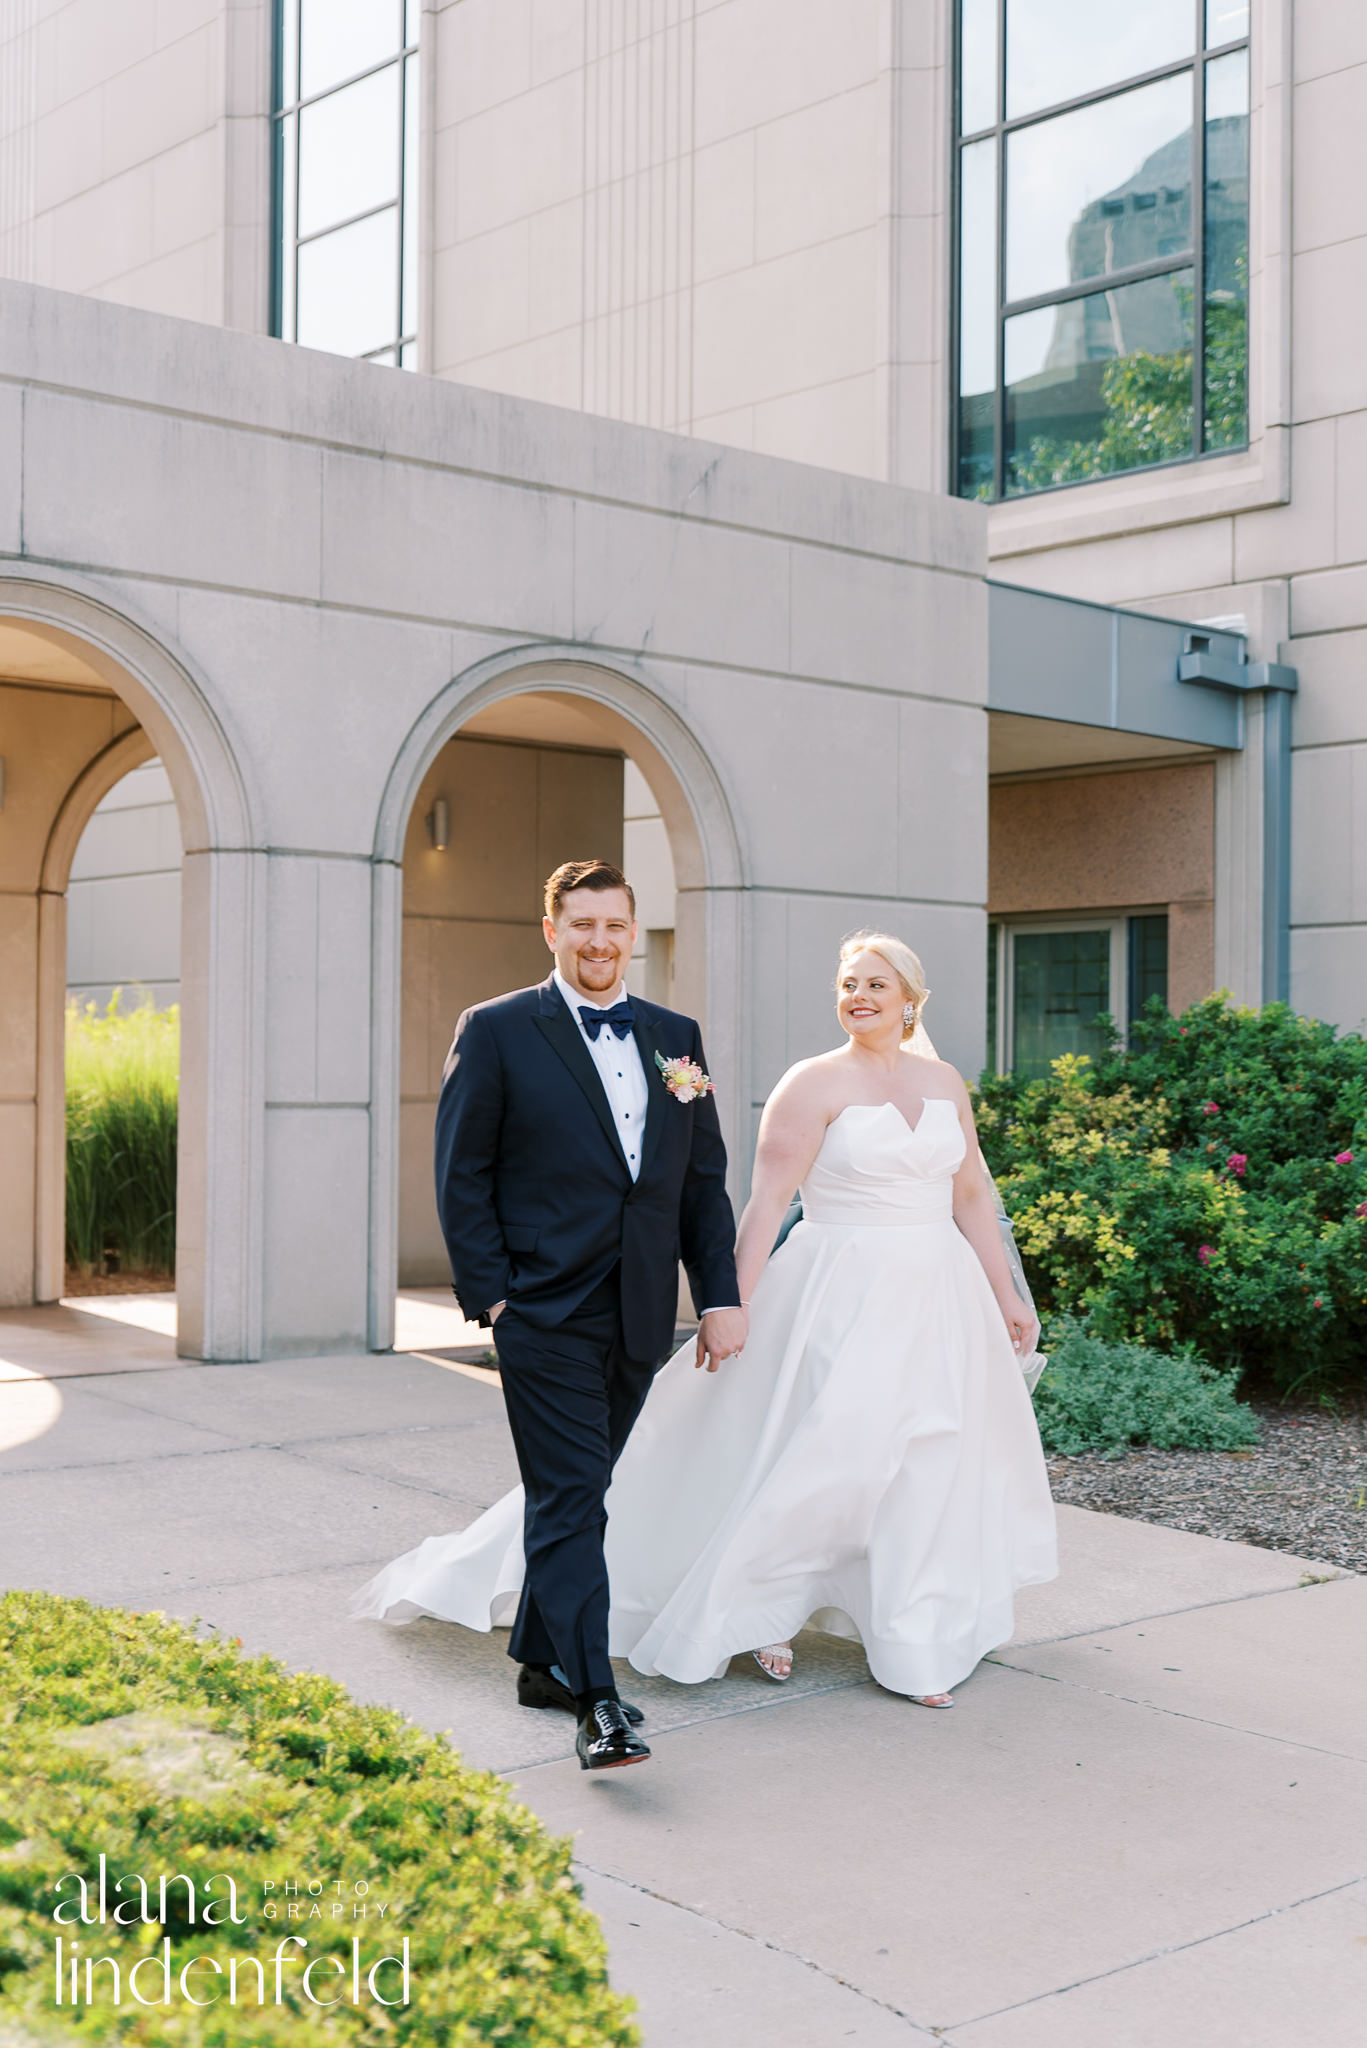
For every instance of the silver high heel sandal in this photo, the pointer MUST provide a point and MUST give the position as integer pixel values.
(931, 1699)
(782, 1654)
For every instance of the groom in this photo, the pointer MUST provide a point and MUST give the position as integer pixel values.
(570, 1181)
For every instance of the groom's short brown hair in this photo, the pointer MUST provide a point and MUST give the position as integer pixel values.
(584, 874)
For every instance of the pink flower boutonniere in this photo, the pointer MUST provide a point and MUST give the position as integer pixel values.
(684, 1078)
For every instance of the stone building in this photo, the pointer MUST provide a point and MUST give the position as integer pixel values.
(871, 459)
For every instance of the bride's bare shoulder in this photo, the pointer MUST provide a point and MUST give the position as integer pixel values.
(809, 1083)
(937, 1076)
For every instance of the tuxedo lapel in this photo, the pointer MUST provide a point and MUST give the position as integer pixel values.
(657, 1095)
(559, 1027)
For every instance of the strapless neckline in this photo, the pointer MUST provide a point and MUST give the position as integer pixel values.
(877, 1108)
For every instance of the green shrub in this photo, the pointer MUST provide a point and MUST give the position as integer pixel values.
(1203, 1190)
(233, 1764)
(121, 1103)
(1095, 1396)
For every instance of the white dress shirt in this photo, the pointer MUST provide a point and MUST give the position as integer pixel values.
(618, 1061)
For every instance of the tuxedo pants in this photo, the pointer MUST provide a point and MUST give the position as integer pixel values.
(572, 1396)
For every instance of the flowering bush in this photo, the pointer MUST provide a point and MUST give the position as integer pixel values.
(1203, 1188)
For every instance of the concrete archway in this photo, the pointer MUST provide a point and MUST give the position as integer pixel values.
(628, 714)
(53, 626)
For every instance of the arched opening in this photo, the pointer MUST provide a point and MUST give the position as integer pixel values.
(123, 1042)
(523, 764)
(90, 696)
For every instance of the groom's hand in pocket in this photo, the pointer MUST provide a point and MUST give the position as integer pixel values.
(721, 1334)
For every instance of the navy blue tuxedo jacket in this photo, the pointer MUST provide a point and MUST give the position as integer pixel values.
(536, 1200)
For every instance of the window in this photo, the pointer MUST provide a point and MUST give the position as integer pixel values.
(1049, 982)
(346, 162)
(1102, 276)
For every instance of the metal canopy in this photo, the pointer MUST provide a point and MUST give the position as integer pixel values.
(1092, 664)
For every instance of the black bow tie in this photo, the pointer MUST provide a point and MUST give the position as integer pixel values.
(621, 1017)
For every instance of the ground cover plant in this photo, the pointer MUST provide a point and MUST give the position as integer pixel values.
(132, 1737)
(1095, 1396)
(122, 1081)
(1203, 1190)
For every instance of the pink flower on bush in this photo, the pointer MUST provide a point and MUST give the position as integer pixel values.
(1318, 1301)
(1181, 1031)
(1236, 1162)
(1212, 1109)
(1343, 1159)
(1361, 1209)
(1205, 1253)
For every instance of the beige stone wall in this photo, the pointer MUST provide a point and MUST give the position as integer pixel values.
(134, 152)
(472, 921)
(1122, 841)
(716, 216)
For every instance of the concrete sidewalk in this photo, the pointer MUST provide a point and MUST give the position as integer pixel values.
(1145, 1820)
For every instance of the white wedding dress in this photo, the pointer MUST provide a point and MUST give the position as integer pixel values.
(870, 1466)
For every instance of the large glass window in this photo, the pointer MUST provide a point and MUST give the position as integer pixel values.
(1053, 984)
(346, 155)
(1102, 276)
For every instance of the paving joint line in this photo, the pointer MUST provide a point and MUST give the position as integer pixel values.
(370, 1564)
(759, 1706)
(1333, 1573)
(1156, 1955)
(1180, 1714)
(235, 1450)
(760, 1941)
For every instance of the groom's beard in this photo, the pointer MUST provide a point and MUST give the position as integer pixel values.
(596, 977)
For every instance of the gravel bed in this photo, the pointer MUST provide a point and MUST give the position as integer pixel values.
(1303, 1488)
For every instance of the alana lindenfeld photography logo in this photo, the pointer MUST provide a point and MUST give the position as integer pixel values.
(304, 1914)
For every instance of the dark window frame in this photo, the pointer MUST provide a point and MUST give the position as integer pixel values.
(1192, 259)
(286, 240)
(1125, 927)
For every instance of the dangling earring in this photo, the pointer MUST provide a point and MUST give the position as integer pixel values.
(908, 1015)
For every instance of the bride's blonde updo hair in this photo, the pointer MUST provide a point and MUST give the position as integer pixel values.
(900, 959)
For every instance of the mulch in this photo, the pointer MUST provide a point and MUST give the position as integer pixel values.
(78, 1281)
(1302, 1488)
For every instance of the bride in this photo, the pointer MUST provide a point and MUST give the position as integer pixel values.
(870, 1465)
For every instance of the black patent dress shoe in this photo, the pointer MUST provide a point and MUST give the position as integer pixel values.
(543, 1689)
(605, 1740)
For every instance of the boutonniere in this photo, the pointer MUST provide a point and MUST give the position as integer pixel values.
(684, 1078)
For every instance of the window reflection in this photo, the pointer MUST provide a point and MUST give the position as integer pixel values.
(977, 316)
(338, 38)
(1099, 384)
(978, 65)
(1058, 379)
(1226, 251)
(1061, 986)
(349, 152)
(1226, 21)
(1057, 50)
(346, 167)
(1099, 189)
(346, 286)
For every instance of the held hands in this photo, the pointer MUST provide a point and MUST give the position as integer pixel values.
(721, 1334)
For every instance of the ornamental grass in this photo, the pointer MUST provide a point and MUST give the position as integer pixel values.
(122, 1079)
(172, 1755)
